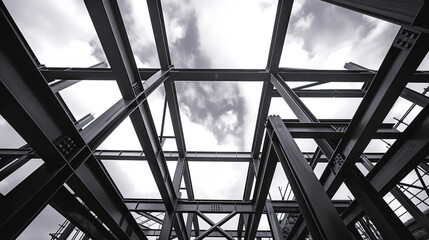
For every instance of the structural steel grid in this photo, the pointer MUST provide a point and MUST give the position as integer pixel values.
(73, 180)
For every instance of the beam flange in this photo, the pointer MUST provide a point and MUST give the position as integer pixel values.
(315, 204)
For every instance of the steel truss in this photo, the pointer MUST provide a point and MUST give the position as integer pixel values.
(74, 181)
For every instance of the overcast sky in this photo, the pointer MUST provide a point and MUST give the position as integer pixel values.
(216, 116)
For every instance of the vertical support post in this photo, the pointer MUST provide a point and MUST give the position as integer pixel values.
(273, 221)
(314, 203)
(367, 230)
(263, 181)
(66, 232)
(167, 226)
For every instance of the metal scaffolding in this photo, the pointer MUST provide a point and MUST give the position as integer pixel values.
(74, 181)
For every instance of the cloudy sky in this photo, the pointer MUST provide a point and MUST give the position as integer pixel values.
(216, 116)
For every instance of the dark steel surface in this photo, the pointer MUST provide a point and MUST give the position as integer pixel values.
(31, 104)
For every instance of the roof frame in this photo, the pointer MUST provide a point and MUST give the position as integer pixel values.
(35, 110)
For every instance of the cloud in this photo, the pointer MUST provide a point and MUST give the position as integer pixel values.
(136, 18)
(218, 106)
(183, 34)
(267, 4)
(206, 104)
(59, 33)
(235, 34)
(322, 35)
(322, 25)
(97, 50)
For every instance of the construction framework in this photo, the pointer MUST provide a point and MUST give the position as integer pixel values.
(74, 181)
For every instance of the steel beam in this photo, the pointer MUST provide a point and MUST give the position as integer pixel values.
(410, 95)
(158, 26)
(192, 217)
(401, 12)
(31, 103)
(386, 87)
(72, 74)
(68, 206)
(136, 155)
(240, 75)
(219, 75)
(367, 230)
(284, 9)
(81, 123)
(215, 226)
(4, 173)
(173, 106)
(403, 156)
(264, 107)
(36, 115)
(177, 179)
(264, 178)
(167, 226)
(95, 133)
(246, 196)
(21, 205)
(214, 234)
(111, 31)
(295, 89)
(273, 221)
(405, 202)
(388, 224)
(92, 184)
(40, 119)
(149, 216)
(323, 76)
(314, 203)
(415, 97)
(317, 130)
(301, 111)
(63, 84)
(66, 231)
(307, 75)
(323, 93)
(304, 115)
(222, 206)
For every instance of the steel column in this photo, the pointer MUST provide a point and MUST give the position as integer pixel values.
(273, 221)
(384, 90)
(93, 185)
(284, 9)
(173, 106)
(264, 178)
(167, 226)
(111, 30)
(158, 26)
(315, 205)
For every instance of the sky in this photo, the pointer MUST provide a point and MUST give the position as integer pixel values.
(216, 116)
